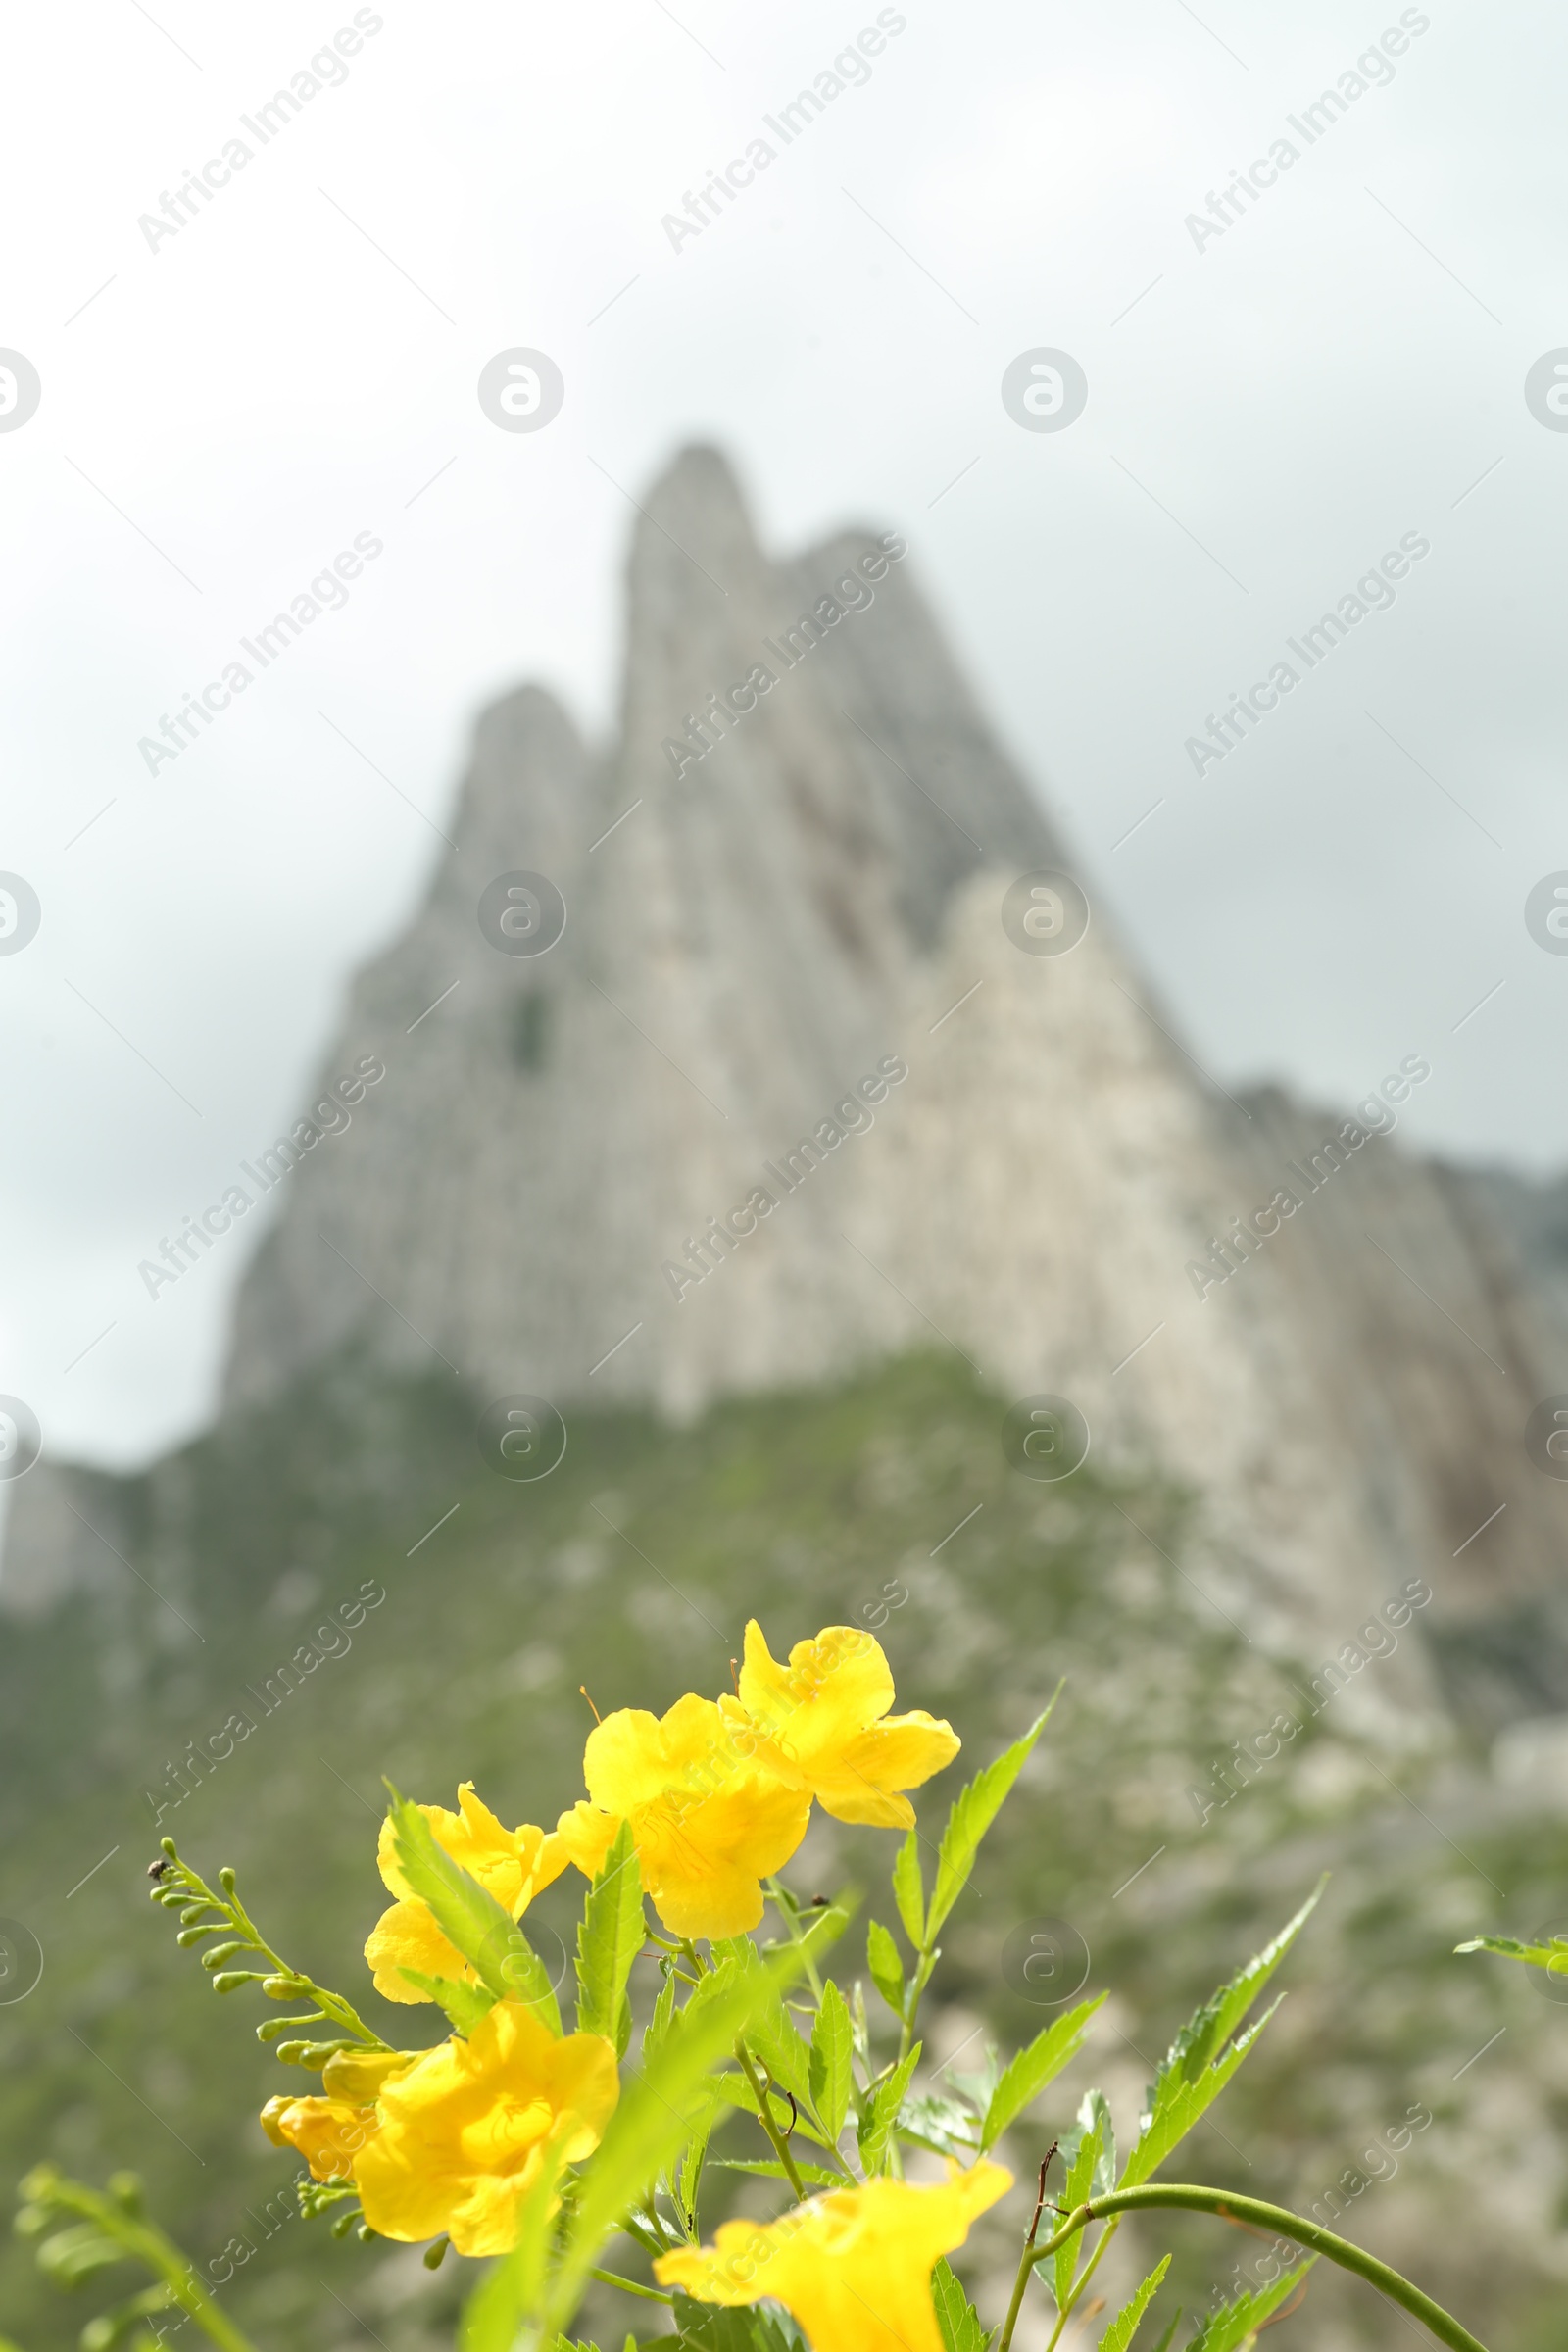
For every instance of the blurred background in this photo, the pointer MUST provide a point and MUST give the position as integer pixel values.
(1327, 923)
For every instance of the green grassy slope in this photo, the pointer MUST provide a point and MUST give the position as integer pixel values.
(632, 1570)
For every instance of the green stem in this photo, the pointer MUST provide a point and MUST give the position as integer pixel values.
(792, 1923)
(1284, 2223)
(764, 2116)
(146, 2244)
(629, 2286)
(1081, 2285)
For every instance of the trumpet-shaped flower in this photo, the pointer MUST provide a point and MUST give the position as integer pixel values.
(709, 1819)
(514, 1865)
(821, 1723)
(462, 2136)
(328, 2134)
(854, 2267)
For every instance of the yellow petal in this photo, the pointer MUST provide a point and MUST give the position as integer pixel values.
(331, 2133)
(585, 1836)
(463, 2134)
(853, 2266)
(513, 1865)
(817, 1722)
(407, 1936)
(703, 1857)
(860, 1782)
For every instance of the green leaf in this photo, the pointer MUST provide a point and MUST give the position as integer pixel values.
(610, 1938)
(771, 2170)
(1053, 2048)
(1084, 2151)
(1125, 2326)
(493, 2318)
(829, 2070)
(975, 1809)
(660, 2110)
(1552, 1956)
(708, 2327)
(76, 2253)
(957, 2315)
(1202, 2060)
(887, 1970)
(465, 2005)
(876, 2125)
(691, 2169)
(1228, 2330)
(469, 1916)
(945, 2125)
(908, 1889)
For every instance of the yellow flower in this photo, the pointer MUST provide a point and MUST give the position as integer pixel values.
(818, 1724)
(328, 2133)
(514, 1865)
(331, 2132)
(461, 2135)
(854, 2267)
(709, 1822)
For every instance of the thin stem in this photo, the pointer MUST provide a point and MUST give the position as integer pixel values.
(1076, 2296)
(629, 2286)
(146, 2244)
(764, 2116)
(786, 1912)
(1284, 2223)
(1025, 2263)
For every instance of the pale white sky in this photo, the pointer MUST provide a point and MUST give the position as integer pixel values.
(299, 362)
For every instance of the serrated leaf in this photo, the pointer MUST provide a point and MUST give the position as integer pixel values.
(908, 1889)
(658, 2112)
(957, 2315)
(659, 2023)
(1052, 2049)
(1199, 2063)
(1179, 2105)
(887, 1970)
(975, 1809)
(469, 1917)
(1083, 2151)
(465, 2005)
(707, 2327)
(1229, 2330)
(830, 2068)
(691, 2168)
(945, 2125)
(1125, 2326)
(493, 2317)
(876, 2126)
(609, 1936)
(771, 2170)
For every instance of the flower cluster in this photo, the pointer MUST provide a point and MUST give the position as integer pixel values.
(515, 2138)
(717, 1795)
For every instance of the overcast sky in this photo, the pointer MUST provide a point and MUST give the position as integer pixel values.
(1270, 409)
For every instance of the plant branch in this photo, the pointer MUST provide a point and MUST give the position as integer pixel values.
(764, 2116)
(629, 2286)
(1284, 2223)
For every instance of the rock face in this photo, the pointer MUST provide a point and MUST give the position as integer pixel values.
(785, 998)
